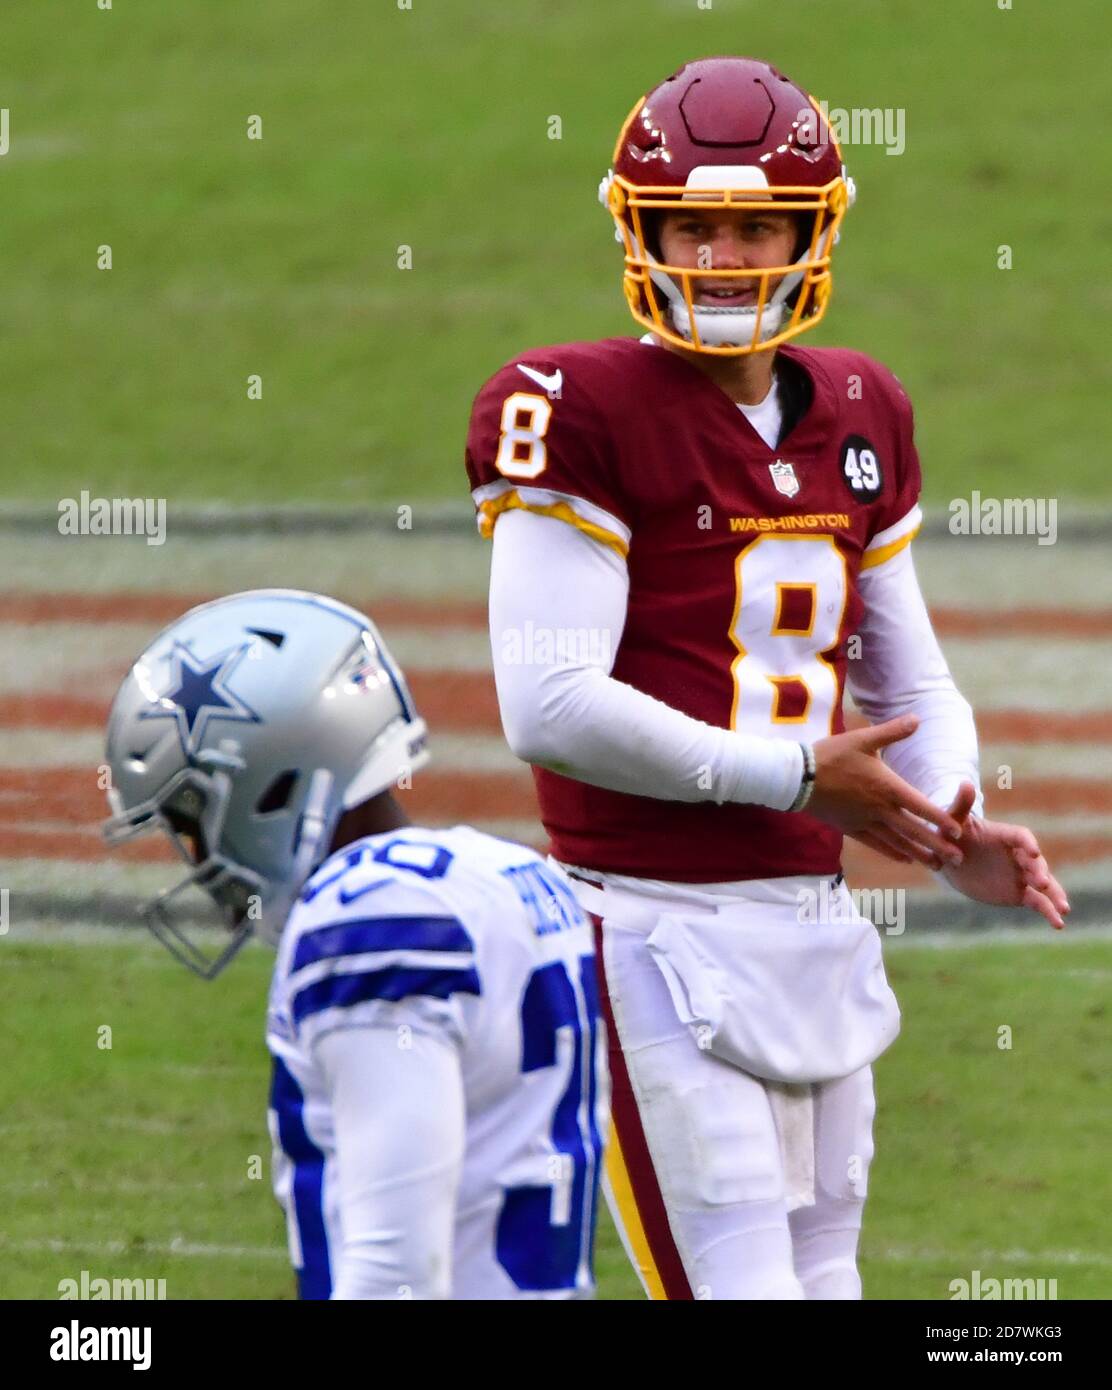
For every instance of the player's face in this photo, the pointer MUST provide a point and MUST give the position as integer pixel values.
(730, 239)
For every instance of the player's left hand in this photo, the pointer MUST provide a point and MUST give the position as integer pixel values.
(1003, 864)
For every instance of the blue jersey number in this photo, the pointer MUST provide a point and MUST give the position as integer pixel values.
(419, 856)
(546, 1232)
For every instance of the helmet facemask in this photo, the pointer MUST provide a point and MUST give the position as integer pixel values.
(217, 894)
(220, 894)
(662, 296)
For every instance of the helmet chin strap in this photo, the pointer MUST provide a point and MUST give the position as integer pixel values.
(312, 846)
(722, 326)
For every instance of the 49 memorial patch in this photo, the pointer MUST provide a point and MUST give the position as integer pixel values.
(861, 470)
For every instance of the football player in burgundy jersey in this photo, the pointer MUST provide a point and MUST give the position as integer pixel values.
(700, 537)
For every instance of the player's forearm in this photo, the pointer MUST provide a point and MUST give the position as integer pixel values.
(598, 730)
(942, 752)
(557, 611)
(901, 670)
(399, 1126)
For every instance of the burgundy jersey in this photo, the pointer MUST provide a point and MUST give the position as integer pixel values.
(743, 564)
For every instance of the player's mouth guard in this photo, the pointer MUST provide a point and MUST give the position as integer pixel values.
(245, 902)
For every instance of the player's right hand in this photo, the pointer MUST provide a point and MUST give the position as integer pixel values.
(866, 800)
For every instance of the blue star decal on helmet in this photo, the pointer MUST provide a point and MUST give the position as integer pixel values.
(199, 692)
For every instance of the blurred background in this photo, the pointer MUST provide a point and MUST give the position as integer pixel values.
(257, 357)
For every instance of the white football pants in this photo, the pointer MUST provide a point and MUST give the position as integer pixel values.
(695, 1168)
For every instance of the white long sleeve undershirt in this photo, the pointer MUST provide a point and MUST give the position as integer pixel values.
(570, 715)
(902, 670)
(399, 1125)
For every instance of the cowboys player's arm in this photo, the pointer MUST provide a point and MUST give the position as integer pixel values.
(387, 1065)
(399, 1124)
(561, 530)
(901, 671)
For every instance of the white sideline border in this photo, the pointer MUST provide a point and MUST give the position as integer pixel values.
(181, 1248)
(178, 1246)
(48, 935)
(1091, 520)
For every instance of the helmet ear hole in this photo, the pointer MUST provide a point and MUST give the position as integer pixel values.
(277, 795)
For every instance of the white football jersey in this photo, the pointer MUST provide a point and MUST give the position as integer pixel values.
(478, 941)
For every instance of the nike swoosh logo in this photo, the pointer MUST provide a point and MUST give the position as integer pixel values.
(551, 383)
(346, 898)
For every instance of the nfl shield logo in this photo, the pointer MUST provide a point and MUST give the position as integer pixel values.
(783, 475)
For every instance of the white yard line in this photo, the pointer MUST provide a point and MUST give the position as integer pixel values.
(993, 573)
(178, 1246)
(123, 1187)
(133, 1124)
(1091, 761)
(1068, 676)
(49, 935)
(992, 1262)
(944, 939)
(983, 573)
(352, 564)
(455, 752)
(93, 658)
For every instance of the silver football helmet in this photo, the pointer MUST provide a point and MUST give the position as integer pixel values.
(243, 732)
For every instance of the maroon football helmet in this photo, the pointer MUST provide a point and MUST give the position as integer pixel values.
(727, 133)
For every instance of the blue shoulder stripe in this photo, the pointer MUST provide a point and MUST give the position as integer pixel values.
(287, 1100)
(394, 982)
(381, 934)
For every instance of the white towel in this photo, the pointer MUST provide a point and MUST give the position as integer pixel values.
(793, 1113)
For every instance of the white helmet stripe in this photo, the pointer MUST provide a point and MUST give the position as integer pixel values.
(736, 177)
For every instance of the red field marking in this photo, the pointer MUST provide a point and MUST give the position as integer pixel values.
(34, 606)
(65, 713)
(456, 701)
(162, 607)
(1030, 726)
(55, 813)
(863, 868)
(76, 847)
(453, 701)
(466, 702)
(70, 796)
(1034, 726)
(1053, 795)
(1021, 622)
(470, 796)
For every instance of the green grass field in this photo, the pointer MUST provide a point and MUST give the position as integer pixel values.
(429, 128)
(983, 1155)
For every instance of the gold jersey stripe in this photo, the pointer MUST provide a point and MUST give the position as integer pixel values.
(878, 557)
(622, 1191)
(491, 510)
